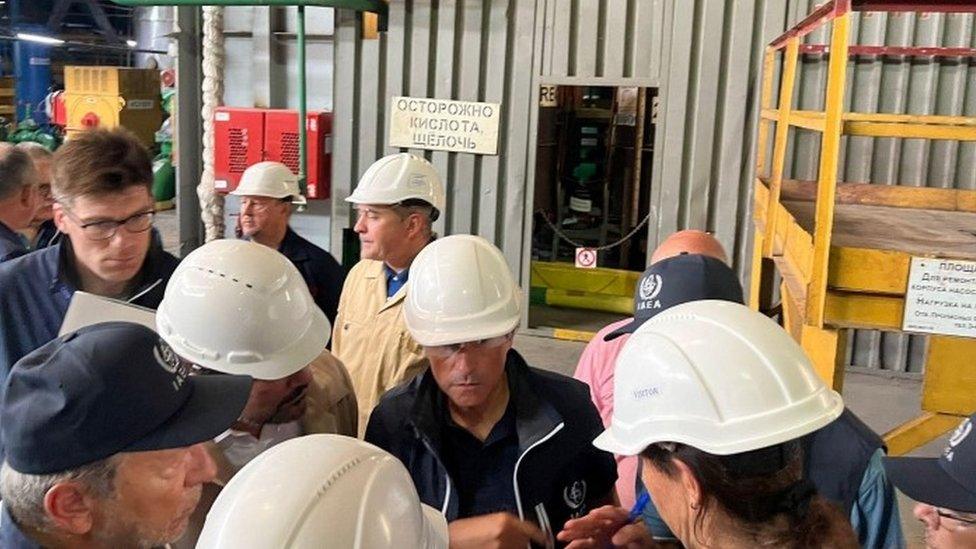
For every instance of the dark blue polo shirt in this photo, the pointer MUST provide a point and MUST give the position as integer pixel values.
(394, 280)
(483, 471)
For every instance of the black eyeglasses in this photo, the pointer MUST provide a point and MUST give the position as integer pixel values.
(965, 521)
(103, 230)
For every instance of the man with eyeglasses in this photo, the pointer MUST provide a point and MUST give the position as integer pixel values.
(268, 190)
(42, 231)
(103, 205)
(502, 449)
(18, 200)
(945, 488)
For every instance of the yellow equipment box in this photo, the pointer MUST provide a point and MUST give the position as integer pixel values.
(8, 98)
(109, 97)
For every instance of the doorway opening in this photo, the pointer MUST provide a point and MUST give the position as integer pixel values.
(595, 150)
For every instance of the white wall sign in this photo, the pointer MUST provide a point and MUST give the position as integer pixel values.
(941, 297)
(442, 125)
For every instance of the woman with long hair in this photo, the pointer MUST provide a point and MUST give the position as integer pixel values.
(714, 398)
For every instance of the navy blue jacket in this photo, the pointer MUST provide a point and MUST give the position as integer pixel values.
(35, 291)
(11, 243)
(47, 235)
(558, 466)
(321, 271)
(836, 457)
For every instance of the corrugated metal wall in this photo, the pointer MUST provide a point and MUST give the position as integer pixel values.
(471, 50)
(261, 63)
(705, 58)
(261, 70)
(593, 42)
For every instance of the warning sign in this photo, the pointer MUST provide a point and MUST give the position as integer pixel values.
(442, 125)
(585, 258)
(941, 297)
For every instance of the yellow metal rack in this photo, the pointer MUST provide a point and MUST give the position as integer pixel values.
(843, 250)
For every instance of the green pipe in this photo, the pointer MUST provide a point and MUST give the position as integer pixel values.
(302, 105)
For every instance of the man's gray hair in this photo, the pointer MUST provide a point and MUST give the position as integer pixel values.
(16, 167)
(415, 206)
(23, 494)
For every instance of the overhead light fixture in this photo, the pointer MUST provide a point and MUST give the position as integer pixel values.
(131, 43)
(40, 39)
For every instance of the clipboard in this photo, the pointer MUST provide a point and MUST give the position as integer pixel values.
(86, 309)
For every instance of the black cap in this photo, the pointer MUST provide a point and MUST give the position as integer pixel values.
(948, 481)
(109, 388)
(677, 280)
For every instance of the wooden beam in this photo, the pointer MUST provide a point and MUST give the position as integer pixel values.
(926, 198)
(853, 310)
(919, 431)
(867, 270)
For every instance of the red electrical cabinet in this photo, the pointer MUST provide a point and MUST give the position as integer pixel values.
(281, 145)
(238, 143)
(278, 141)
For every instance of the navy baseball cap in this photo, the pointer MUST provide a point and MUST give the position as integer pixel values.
(948, 481)
(677, 280)
(109, 388)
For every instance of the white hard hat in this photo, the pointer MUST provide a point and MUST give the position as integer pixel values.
(242, 308)
(398, 177)
(322, 492)
(272, 179)
(716, 376)
(460, 290)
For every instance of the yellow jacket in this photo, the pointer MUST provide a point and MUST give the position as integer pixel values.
(370, 337)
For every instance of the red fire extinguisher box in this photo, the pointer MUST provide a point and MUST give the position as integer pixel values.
(236, 145)
(281, 145)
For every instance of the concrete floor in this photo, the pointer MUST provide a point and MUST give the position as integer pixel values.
(882, 404)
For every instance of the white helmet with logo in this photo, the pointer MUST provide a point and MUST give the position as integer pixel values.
(716, 376)
(323, 492)
(272, 179)
(242, 308)
(399, 177)
(461, 290)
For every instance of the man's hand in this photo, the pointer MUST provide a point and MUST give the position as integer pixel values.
(495, 531)
(604, 526)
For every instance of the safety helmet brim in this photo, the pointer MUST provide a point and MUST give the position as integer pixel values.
(434, 338)
(300, 353)
(297, 200)
(626, 442)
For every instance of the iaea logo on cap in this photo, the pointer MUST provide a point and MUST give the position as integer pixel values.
(171, 362)
(959, 435)
(650, 286)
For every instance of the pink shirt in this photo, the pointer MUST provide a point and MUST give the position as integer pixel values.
(595, 368)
